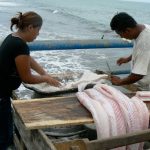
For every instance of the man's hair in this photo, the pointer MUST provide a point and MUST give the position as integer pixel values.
(121, 21)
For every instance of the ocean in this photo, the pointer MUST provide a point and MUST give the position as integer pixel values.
(76, 19)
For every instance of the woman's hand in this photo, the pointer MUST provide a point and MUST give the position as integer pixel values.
(50, 80)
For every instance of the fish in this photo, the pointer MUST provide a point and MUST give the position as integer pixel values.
(88, 77)
(122, 114)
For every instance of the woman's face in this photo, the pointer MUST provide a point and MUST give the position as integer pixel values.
(33, 32)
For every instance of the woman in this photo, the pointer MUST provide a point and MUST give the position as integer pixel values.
(15, 67)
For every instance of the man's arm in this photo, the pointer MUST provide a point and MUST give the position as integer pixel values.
(124, 60)
(132, 78)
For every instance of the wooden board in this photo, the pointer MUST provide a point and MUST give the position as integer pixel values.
(46, 112)
(43, 113)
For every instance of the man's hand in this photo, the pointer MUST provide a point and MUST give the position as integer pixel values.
(123, 60)
(115, 80)
(131, 78)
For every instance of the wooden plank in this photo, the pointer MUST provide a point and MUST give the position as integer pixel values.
(33, 139)
(18, 144)
(38, 99)
(41, 141)
(78, 144)
(24, 134)
(118, 141)
(46, 112)
(49, 112)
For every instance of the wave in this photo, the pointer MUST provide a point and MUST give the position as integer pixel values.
(140, 1)
(72, 25)
(89, 24)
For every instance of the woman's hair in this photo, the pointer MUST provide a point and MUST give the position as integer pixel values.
(23, 20)
(122, 21)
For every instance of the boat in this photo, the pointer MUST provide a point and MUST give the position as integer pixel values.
(31, 128)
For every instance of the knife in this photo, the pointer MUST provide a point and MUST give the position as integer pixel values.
(109, 70)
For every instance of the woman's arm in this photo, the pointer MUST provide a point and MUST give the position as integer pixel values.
(23, 64)
(36, 67)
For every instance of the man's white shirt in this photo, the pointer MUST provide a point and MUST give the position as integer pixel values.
(140, 63)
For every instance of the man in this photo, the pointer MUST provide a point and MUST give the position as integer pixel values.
(126, 26)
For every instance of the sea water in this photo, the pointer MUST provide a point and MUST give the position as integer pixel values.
(76, 19)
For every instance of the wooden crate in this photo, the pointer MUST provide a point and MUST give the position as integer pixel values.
(31, 116)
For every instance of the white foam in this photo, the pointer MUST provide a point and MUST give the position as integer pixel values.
(8, 4)
(55, 11)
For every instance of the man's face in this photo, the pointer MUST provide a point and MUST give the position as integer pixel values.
(127, 34)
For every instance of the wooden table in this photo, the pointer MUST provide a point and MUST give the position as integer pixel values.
(30, 116)
(43, 113)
